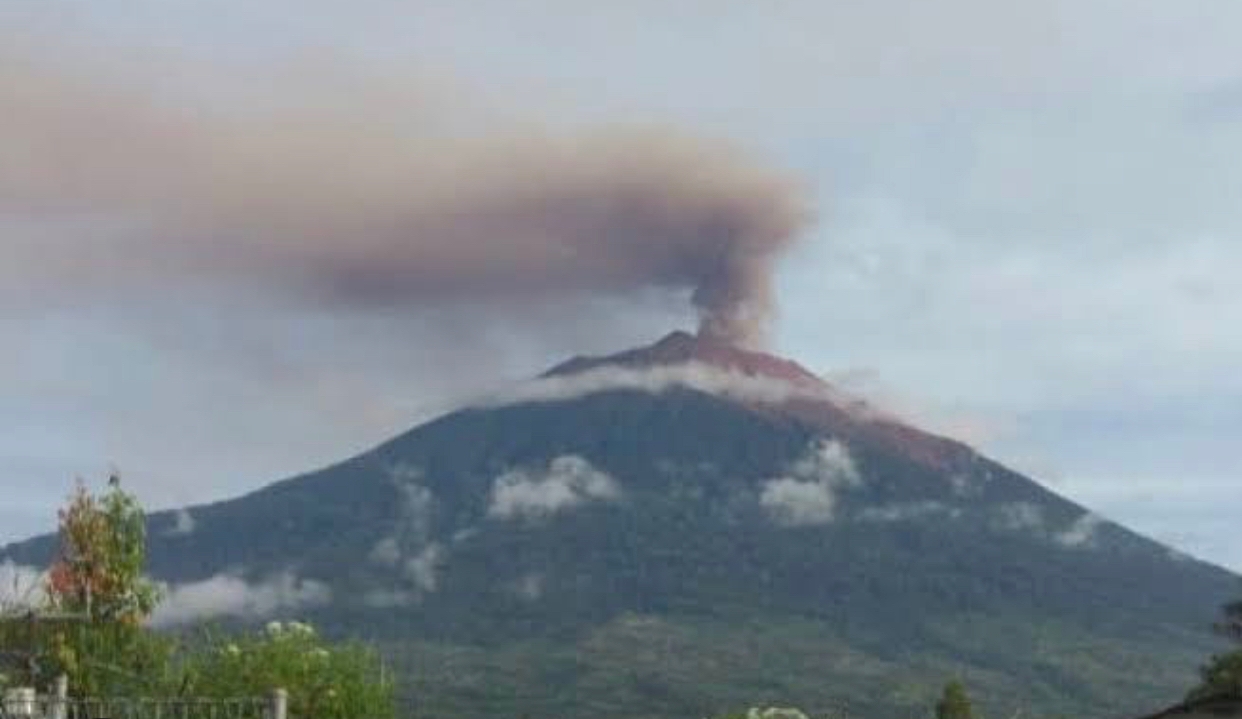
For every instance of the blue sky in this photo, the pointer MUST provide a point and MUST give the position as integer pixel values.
(1027, 235)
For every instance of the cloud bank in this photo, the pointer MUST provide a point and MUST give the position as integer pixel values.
(227, 595)
(661, 378)
(21, 587)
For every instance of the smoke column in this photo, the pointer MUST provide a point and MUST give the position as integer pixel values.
(360, 194)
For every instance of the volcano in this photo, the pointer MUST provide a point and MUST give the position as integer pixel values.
(692, 527)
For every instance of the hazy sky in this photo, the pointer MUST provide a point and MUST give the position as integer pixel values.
(1027, 232)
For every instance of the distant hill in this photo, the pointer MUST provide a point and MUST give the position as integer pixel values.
(690, 527)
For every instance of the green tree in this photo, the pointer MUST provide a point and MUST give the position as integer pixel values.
(99, 598)
(87, 622)
(98, 571)
(954, 702)
(1230, 625)
(1222, 676)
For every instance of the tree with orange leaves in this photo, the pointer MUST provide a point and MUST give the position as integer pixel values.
(98, 571)
(99, 597)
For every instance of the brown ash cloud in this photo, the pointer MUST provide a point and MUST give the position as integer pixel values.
(357, 194)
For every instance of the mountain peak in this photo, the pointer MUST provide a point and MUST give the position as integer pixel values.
(680, 347)
(768, 384)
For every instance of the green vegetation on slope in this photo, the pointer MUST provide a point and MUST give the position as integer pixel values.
(647, 666)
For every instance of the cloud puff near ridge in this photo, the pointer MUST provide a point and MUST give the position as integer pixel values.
(808, 494)
(567, 482)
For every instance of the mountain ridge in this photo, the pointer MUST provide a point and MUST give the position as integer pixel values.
(551, 534)
(680, 347)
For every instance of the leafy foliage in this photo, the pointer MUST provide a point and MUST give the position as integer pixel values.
(1223, 674)
(103, 658)
(98, 572)
(1230, 625)
(955, 702)
(96, 597)
(324, 681)
(1221, 677)
(92, 630)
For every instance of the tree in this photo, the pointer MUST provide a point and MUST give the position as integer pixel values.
(1222, 676)
(87, 623)
(954, 702)
(99, 598)
(98, 570)
(1230, 625)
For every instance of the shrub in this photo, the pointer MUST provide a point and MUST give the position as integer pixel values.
(324, 681)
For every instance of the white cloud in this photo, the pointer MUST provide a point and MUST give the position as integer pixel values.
(228, 595)
(963, 484)
(386, 551)
(567, 482)
(409, 547)
(661, 378)
(423, 568)
(405, 473)
(1178, 556)
(183, 523)
(1082, 533)
(529, 587)
(1031, 519)
(415, 510)
(389, 598)
(21, 587)
(412, 528)
(794, 502)
(1020, 516)
(906, 511)
(830, 462)
(808, 494)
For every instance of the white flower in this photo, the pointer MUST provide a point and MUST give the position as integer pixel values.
(274, 629)
(318, 653)
(232, 650)
(300, 629)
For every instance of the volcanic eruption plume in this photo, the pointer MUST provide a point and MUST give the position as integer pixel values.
(360, 193)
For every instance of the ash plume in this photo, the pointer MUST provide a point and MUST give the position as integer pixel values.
(362, 194)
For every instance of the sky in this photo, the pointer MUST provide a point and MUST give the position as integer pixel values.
(1023, 230)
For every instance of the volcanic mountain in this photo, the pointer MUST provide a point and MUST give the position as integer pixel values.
(691, 527)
